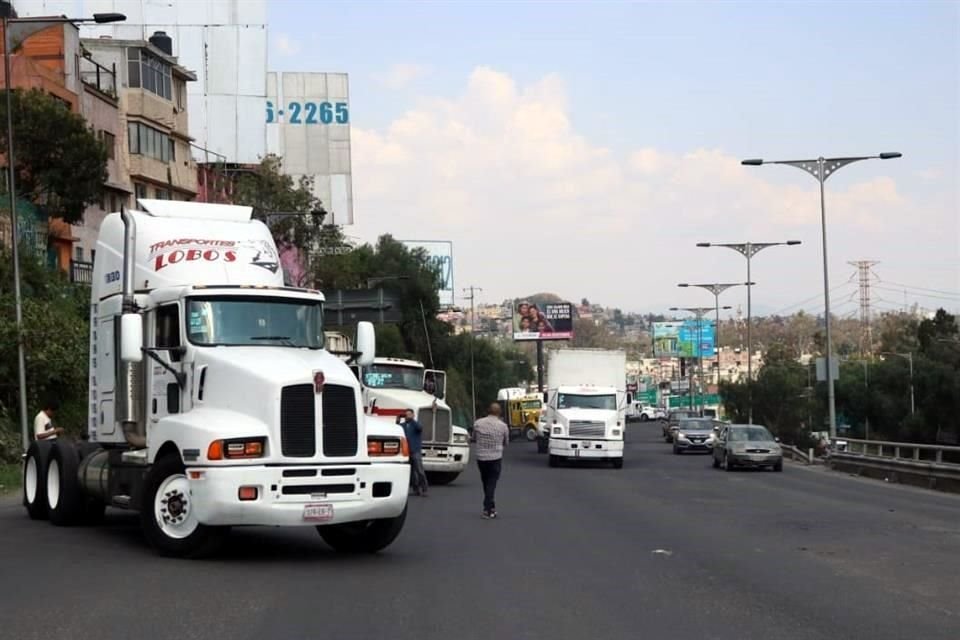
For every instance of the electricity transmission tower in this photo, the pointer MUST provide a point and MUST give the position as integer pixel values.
(866, 330)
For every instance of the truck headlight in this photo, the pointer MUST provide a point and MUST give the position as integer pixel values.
(616, 432)
(557, 431)
(384, 447)
(459, 438)
(236, 448)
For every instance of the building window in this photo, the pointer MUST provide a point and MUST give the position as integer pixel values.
(78, 253)
(181, 94)
(110, 142)
(163, 194)
(147, 71)
(140, 190)
(173, 149)
(148, 141)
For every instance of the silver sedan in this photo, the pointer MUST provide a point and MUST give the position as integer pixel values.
(747, 445)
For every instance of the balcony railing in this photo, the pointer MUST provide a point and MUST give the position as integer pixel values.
(81, 272)
(98, 76)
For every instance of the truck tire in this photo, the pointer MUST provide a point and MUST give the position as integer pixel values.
(168, 522)
(367, 536)
(543, 445)
(618, 463)
(644, 417)
(65, 499)
(441, 478)
(35, 480)
(531, 433)
(554, 460)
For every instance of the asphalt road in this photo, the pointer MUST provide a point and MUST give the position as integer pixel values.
(667, 548)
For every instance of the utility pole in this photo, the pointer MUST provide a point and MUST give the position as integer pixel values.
(473, 327)
(866, 330)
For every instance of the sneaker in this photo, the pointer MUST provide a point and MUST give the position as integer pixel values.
(486, 515)
(492, 514)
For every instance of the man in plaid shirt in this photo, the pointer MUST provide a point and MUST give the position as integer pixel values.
(490, 434)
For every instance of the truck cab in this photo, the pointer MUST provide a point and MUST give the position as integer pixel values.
(521, 411)
(586, 423)
(391, 386)
(213, 402)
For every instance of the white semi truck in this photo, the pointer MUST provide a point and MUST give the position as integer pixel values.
(586, 402)
(213, 402)
(391, 386)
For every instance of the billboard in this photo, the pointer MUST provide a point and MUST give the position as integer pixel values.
(549, 321)
(679, 339)
(308, 125)
(440, 254)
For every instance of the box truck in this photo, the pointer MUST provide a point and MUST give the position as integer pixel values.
(586, 402)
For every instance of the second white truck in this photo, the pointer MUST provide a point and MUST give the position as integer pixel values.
(586, 402)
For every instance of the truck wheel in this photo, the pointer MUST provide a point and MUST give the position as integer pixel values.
(441, 478)
(644, 417)
(554, 460)
(367, 536)
(618, 463)
(35, 480)
(531, 433)
(65, 499)
(167, 517)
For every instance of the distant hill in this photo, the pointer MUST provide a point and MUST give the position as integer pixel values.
(541, 298)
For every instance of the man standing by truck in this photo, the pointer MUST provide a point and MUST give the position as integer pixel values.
(490, 435)
(43, 428)
(414, 433)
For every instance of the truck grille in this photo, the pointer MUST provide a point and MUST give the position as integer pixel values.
(339, 421)
(587, 429)
(441, 432)
(298, 429)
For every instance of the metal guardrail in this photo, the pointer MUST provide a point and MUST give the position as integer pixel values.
(797, 454)
(905, 451)
(936, 466)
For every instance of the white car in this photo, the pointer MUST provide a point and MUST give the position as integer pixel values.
(648, 412)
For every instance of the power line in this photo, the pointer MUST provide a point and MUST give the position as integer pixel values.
(918, 294)
(813, 298)
(907, 286)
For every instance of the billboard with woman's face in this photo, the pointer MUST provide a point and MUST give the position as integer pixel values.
(549, 321)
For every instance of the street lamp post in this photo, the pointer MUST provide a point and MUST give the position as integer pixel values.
(716, 289)
(821, 169)
(909, 357)
(15, 31)
(748, 250)
(699, 312)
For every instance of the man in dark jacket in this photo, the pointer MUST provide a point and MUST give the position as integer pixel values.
(414, 433)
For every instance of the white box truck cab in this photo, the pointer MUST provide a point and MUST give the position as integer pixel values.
(213, 402)
(393, 385)
(586, 403)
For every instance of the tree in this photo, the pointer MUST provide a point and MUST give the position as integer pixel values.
(60, 164)
(56, 340)
(295, 217)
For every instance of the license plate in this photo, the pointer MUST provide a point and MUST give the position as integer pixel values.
(318, 512)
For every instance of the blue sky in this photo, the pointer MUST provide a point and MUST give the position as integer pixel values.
(777, 80)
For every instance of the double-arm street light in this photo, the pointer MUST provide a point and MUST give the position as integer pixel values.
(748, 250)
(699, 312)
(716, 289)
(821, 169)
(15, 31)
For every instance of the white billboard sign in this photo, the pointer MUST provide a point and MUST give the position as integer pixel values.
(308, 126)
(440, 253)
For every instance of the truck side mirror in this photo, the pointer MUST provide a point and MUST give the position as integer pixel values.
(366, 343)
(131, 338)
(545, 398)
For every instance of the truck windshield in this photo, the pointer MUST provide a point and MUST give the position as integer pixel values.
(531, 404)
(576, 401)
(392, 376)
(255, 321)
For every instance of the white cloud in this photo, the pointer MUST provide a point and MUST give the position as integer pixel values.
(286, 45)
(400, 75)
(532, 204)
